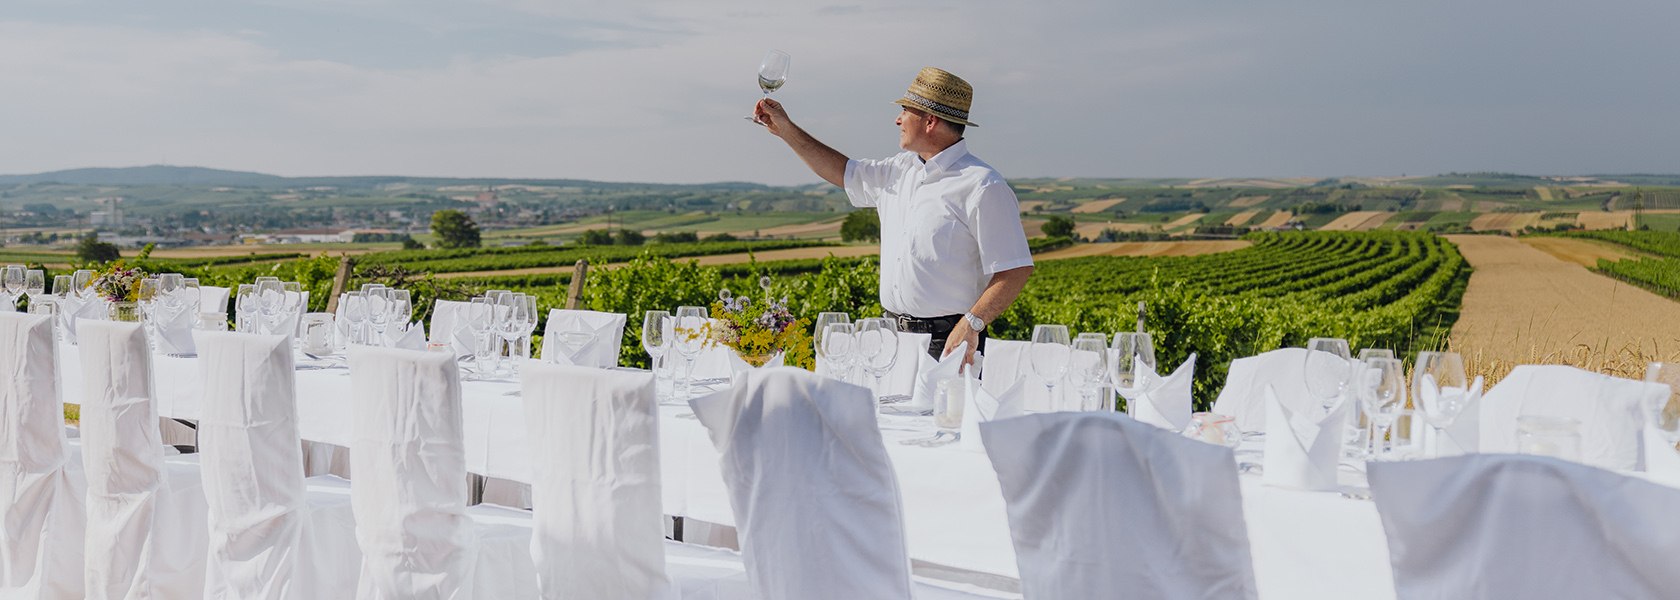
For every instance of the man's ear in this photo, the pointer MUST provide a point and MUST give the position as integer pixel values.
(930, 123)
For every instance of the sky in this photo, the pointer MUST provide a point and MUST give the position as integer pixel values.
(655, 91)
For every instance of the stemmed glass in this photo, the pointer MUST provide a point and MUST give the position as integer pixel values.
(13, 277)
(656, 326)
(510, 324)
(1088, 366)
(823, 320)
(402, 308)
(877, 341)
(689, 336)
(1131, 348)
(34, 283)
(61, 286)
(772, 73)
(292, 308)
(1439, 385)
(839, 347)
(146, 298)
(167, 302)
(528, 324)
(355, 315)
(1050, 353)
(79, 282)
(245, 308)
(1327, 370)
(271, 302)
(481, 318)
(1381, 389)
(1663, 413)
(379, 313)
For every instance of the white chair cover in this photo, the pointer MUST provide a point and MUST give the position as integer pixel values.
(146, 534)
(1006, 362)
(1244, 397)
(410, 469)
(608, 329)
(1511, 526)
(449, 327)
(1103, 506)
(814, 496)
(213, 300)
(266, 540)
(41, 507)
(594, 434)
(1607, 407)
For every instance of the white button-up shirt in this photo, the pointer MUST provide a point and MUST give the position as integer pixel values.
(947, 225)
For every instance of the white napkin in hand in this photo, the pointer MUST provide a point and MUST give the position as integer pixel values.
(927, 381)
(1162, 402)
(174, 337)
(1463, 436)
(983, 406)
(1662, 462)
(1302, 451)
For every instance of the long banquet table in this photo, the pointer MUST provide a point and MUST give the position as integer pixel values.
(1305, 544)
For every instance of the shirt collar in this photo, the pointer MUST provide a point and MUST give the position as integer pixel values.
(942, 162)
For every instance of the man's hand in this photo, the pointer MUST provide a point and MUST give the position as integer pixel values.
(959, 334)
(771, 114)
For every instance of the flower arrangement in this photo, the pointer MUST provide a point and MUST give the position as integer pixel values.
(760, 332)
(118, 283)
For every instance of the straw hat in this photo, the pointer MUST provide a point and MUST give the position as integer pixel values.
(941, 94)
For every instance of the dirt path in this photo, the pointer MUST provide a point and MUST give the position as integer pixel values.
(1524, 306)
(1185, 248)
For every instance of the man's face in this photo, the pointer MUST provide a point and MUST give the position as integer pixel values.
(912, 127)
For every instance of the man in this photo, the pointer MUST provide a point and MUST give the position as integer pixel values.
(953, 253)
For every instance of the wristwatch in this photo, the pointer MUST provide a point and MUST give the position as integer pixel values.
(974, 322)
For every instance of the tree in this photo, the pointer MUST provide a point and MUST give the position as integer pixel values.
(722, 236)
(409, 243)
(596, 237)
(629, 237)
(1059, 226)
(861, 226)
(91, 250)
(454, 229)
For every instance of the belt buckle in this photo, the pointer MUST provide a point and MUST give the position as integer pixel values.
(904, 324)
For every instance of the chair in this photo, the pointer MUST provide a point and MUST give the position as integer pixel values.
(41, 508)
(1607, 407)
(270, 536)
(608, 329)
(1103, 506)
(213, 300)
(417, 536)
(146, 514)
(1244, 394)
(1008, 361)
(1513, 526)
(448, 316)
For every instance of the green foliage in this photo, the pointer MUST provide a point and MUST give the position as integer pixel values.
(454, 229)
(1046, 244)
(629, 237)
(676, 237)
(861, 226)
(1059, 226)
(596, 237)
(409, 243)
(1660, 243)
(91, 250)
(525, 257)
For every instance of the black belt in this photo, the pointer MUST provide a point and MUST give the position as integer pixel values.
(909, 324)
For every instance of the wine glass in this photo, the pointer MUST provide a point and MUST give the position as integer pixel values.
(271, 300)
(379, 313)
(355, 315)
(13, 277)
(823, 319)
(839, 347)
(528, 324)
(878, 346)
(62, 286)
(1327, 370)
(146, 299)
(79, 282)
(1370, 353)
(772, 73)
(656, 340)
(291, 308)
(1049, 354)
(1663, 413)
(1087, 368)
(190, 298)
(1439, 385)
(34, 283)
(245, 307)
(1381, 390)
(689, 334)
(1131, 348)
(510, 324)
(481, 316)
(402, 308)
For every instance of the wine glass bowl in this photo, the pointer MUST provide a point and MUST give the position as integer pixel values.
(1327, 369)
(1049, 355)
(1130, 348)
(772, 74)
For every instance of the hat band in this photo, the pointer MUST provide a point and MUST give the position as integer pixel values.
(935, 106)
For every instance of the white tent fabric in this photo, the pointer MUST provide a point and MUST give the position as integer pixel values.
(813, 493)
(417, 537)
(146, 535)
(1102, 506)
(266, 540)
(1244, 398)
(1607, 407)
(594, 436)
(41, 508)
(1513, 526)
(602, 351)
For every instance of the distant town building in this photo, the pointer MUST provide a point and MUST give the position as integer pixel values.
(300, 236)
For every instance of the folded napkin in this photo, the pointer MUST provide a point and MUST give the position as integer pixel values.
(601, 350)
(927, 380)
(1162, 401)
(983, 406)
(1662, 462)
(1303, 450)
(1464, 434)
(412, 337)
(91, 308)
(174, 335)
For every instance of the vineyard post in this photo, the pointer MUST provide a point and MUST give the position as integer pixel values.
(1140, 316)
(574, 293)
(340, 281)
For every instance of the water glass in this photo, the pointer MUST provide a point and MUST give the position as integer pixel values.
(1088, 369)
(245, 308)
(318, 334)
(823, 321)
(839, 348)
(1439, 389)
(948, 402)
(1557, 437)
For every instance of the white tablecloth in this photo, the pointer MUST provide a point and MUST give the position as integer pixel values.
(1305, 544)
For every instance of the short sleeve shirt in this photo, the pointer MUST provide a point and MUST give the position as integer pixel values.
(947, 225)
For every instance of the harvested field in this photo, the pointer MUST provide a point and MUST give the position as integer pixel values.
(1185, 248)
(1182, 222)
(1580, 251)
(1278, 219)
(1506, 221)
(1242, 218)
(1544, 192)
(242, 250)
(1030, 205)
(1033, 227)
(1092, 230)
(718, 259)
(1097, 206)
(819, 229)
(1364, 220)
(1524, 306)
(1605, 220)
(1247, 201)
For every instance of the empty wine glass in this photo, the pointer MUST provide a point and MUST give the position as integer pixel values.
(1370, 353)
(510, 325)
(689, 334)
(1382, 391)
(355, 315)
(823, 319)
(772, 73)
(1049, 354)
(1087, 368)
(656, 340)
(402, 308)
(481, 318)
(379, 313)
(1440, 388)
(1327, 370)
(34, 283)
(1663, 413)
(839, 347)
(13, 278)
(291, 309)
(878, 345)
(79, 282)
(245, 308)
(62, 286)
(1131, 349)
(528, 324)
(271, 302)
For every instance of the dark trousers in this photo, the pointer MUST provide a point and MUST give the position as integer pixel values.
(937, 327)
